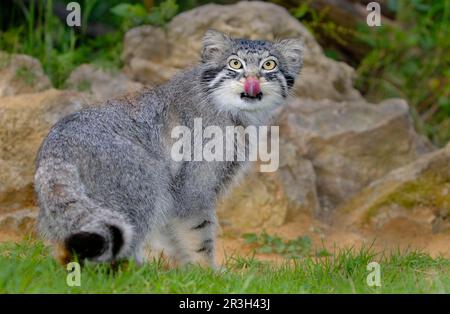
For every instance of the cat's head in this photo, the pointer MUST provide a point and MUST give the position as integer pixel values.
(249, 75)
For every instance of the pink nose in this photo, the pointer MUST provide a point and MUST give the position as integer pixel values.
(251, 86)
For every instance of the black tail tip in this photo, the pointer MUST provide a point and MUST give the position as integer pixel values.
(117, 239)
(86, 244)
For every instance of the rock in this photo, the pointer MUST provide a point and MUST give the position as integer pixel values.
(259, 201)
(329, 151)
(418, 192)
(272, 199)
(20, 74)
(24, 121)
(20, 222)
(153, 55)
(351, 143)
(99, 83)
(299, 181)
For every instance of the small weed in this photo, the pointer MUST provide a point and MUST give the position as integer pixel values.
(84, 85)
(26, 75)
(296, 248)
(5, 60)
(318, 24)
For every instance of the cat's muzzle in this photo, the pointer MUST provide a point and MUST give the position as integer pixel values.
(251, 98)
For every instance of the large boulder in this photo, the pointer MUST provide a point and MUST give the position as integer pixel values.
(21, 74)
(329, 152)
(100, 84)
(418, 192)
(152, 54)
(24, 121)
(350, 143)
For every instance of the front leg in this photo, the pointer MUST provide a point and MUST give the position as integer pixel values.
(196, 188)
(193, 227)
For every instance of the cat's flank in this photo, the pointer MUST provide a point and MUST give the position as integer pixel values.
(105, 179)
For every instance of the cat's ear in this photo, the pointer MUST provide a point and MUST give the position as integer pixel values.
(215, 44)
(292, 50)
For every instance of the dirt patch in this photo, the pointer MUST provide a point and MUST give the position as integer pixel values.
(6, 236)
(399, 234)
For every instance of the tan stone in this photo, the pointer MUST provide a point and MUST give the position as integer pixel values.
(20, 74)
(419, 192)
(271, 199)
(24, 122)
(100, 84)
(350, 143)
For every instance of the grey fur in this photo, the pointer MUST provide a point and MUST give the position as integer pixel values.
(111, 166)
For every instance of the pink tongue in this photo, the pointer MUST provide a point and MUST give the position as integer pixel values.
(251, 86)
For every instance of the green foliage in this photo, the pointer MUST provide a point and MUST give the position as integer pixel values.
(318, 25)
(28, 267)
(136, 14)
(296, 248)
(60, 48)
(132, 14)
(412, 60)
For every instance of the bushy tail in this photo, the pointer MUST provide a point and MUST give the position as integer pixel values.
(77, 223)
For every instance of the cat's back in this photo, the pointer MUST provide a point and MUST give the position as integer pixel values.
(143, 119)
(131, 119)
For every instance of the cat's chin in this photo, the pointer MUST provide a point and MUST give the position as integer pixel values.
(237, 103)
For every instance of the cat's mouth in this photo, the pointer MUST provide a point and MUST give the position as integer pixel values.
(252, 98)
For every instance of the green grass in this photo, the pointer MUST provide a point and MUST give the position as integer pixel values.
(28, 268)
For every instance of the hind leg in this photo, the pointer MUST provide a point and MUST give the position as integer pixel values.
(195, 240)
(161, 246)
(185, 241)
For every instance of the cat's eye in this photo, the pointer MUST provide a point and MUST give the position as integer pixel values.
(235, 64)
(269, 65)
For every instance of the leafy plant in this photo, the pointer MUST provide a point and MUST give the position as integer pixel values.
(412, 61)
(296, 248)
(136, 14)
(132, 14)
